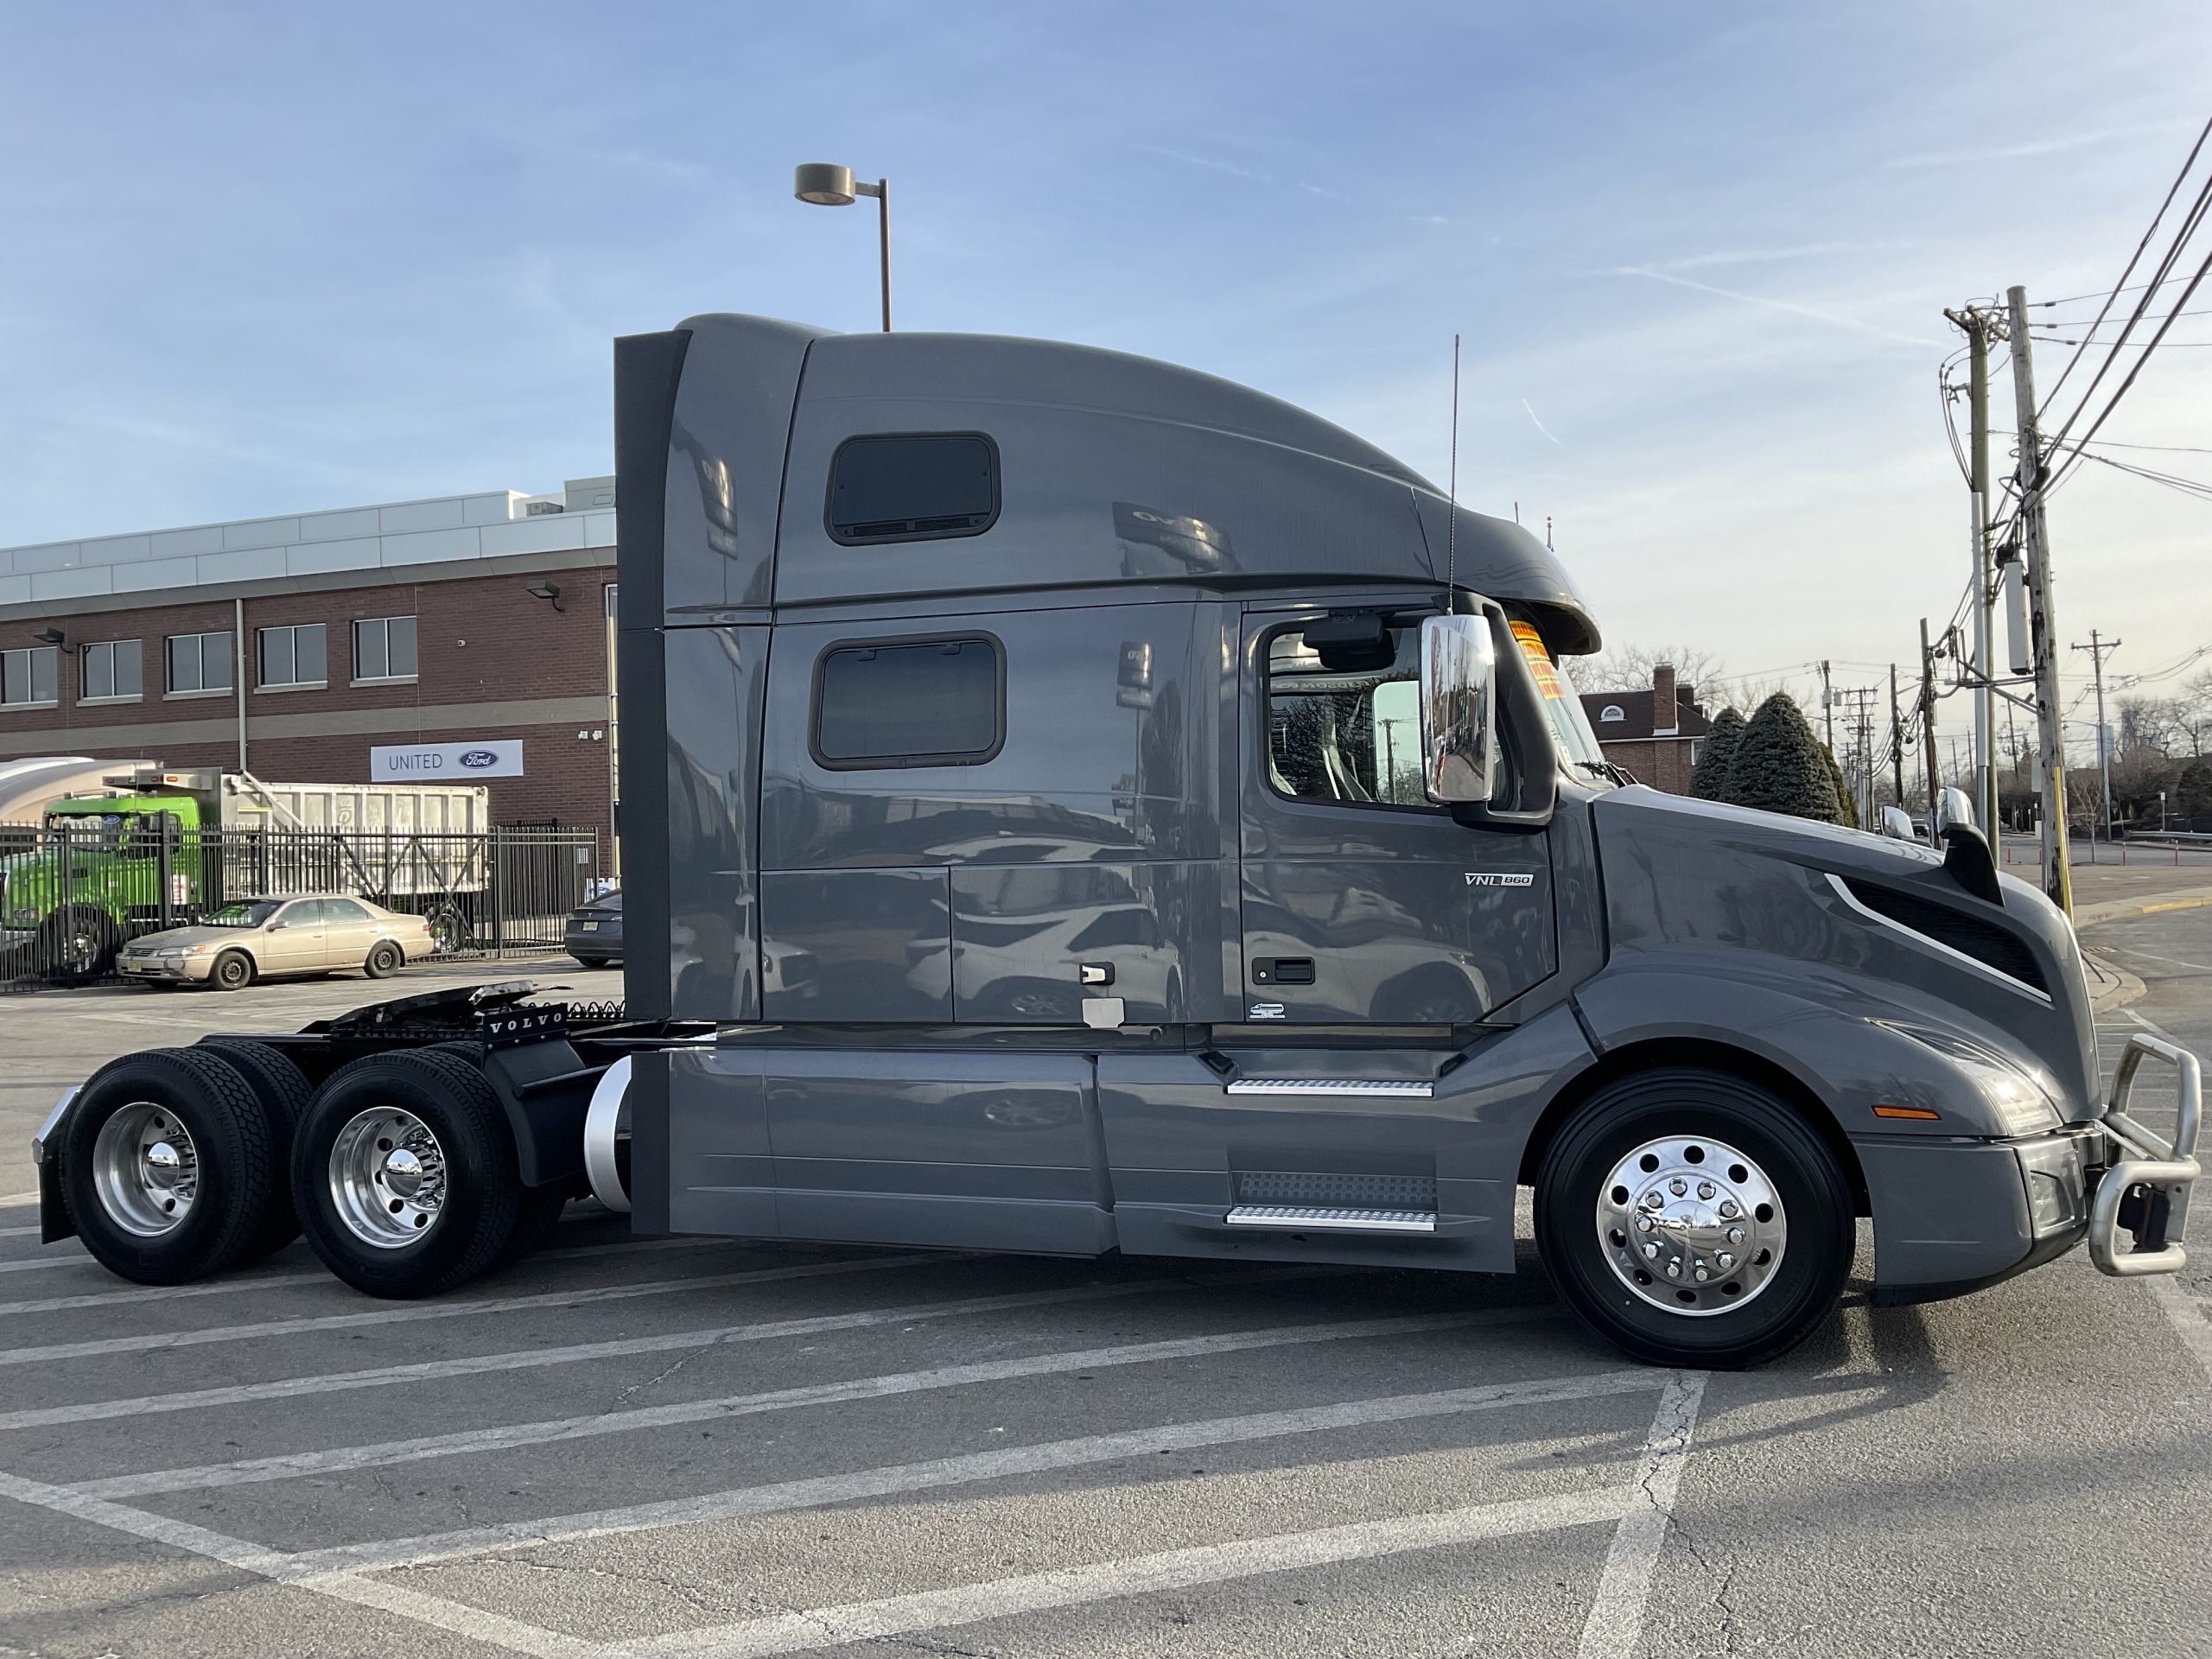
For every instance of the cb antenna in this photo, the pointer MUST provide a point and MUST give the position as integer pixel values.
(1452, 528)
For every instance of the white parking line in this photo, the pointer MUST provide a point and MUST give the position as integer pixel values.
(2188, 1317)
(334, 1572)
(412, 1312)
(1143, 1575)
(300, 1276)
(508, 1437)
(999, 1464)
(18, 1232)
(671, 1342)
(1615, 1627)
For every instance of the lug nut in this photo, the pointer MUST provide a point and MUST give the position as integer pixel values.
(1652, 1200)
(1705, 1189)
(1643, 1223)
(1730, 1210)
(1675, 1267)
(1727, 1259)
(1735, 1234)
(1702, 1275)
(1650, 1250)
(1678, 1186)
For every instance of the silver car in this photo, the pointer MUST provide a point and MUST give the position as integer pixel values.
(266, 938)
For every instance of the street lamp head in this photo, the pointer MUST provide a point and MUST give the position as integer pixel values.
(824, 185)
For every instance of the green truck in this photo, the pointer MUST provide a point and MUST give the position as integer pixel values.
(155, 849)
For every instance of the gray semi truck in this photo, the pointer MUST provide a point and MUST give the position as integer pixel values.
(1195, 848)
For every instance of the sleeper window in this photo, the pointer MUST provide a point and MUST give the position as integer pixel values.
(914, 487)
(935, 702)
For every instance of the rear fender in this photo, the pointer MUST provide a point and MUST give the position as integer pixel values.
(545, 1089)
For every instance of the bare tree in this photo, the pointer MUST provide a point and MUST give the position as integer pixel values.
(1628, 668)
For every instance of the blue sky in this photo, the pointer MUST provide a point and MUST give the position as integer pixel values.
(262, 258)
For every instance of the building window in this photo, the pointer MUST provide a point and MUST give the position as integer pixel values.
(114, 669)
(383, 648)
(937, 702)
(1610, 713)
(1696, 749)
(29, 677)
(293, 655)
(918, 487)
(199, 662)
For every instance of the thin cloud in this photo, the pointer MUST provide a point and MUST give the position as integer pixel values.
(2032, 147)
(1539, 426)
(1323, 190)
(1770, 255)
(1426, 218)
(1829, 317)
(1202, 161)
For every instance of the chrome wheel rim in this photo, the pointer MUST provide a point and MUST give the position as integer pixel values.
(1691, 1225)
(145, 1169)
(387, 1177)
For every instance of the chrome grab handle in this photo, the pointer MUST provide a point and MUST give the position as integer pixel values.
(2165, 1169)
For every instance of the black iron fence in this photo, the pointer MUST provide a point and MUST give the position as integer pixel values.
(73, 896)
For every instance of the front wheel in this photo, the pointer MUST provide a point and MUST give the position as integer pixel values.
(1691, 1217)
(233, 971)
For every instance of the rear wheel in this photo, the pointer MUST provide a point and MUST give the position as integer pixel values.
(233, 971)
(75, 944)
(281, 1088)
(591, 961)
(384, 959)
(1692, 1218)
(405, 1175)
(168, 1166)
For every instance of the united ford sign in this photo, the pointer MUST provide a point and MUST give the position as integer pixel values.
(445, 763)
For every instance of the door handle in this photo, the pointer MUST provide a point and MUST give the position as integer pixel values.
(1282, 970)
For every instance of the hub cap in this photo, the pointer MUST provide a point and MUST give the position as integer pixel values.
(1691, 1225)
(145, 1169)
(387, 1177)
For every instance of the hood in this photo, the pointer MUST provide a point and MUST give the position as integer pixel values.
(1847, 904)
(204, 934)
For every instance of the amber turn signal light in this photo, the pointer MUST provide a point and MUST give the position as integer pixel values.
(1920, 1113)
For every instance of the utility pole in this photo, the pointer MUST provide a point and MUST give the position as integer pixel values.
(2096, 648)
(1927, 726)
(1827, 707)
(2043, 617)
(1897, 738)
(1981, 327)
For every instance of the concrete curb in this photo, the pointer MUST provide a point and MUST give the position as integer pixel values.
(2114, 910)
(2111, 985)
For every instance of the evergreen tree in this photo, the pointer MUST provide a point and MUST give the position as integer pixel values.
(1710, 781)
(1779, 764)
(1847, 809)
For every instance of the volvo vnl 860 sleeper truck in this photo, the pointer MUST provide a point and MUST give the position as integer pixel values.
(1192, 846)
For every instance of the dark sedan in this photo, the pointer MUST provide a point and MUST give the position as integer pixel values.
(594, 934)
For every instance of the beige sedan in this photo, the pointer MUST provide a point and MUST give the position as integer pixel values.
(265, 939)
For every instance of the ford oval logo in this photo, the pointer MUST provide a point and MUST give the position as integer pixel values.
(479, 759)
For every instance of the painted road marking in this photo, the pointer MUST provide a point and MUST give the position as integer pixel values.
(671, 1342)
(413, 1312)
(1615, 1627)
(998, 1464)
(507, 1437)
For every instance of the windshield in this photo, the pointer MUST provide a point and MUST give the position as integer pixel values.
(88, 832)
(247, 913)
(1577, 744)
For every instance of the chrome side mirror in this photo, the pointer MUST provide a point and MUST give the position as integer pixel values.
(1953, 806)
(1897, 824)
(1459, 708)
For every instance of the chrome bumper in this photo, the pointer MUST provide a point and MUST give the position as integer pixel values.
(2144, 1195)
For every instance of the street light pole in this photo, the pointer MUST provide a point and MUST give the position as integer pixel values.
(827, 185)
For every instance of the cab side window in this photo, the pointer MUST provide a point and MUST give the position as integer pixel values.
(1346, 731)
(909, 702)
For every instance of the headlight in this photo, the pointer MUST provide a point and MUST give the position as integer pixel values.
(2018, 1103)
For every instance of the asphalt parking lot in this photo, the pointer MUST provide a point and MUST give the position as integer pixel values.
(680, 1448)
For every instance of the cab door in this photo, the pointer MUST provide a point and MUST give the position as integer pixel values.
(1363, 903)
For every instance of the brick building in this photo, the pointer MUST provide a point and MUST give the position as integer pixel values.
(1655, 733)
(292, 647)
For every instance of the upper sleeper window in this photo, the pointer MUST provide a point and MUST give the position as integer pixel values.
(937, 702)
(913, 488)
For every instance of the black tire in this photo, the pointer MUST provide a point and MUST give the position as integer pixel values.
(233, 1165)
(282, 1090)
(482, 1201)
(384, 959)
(1685, 1104)
(592, 961)
(232, 971)
(75, 944)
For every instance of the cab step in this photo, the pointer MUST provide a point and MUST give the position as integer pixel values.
(1320, 1218)
(1388, 1088)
